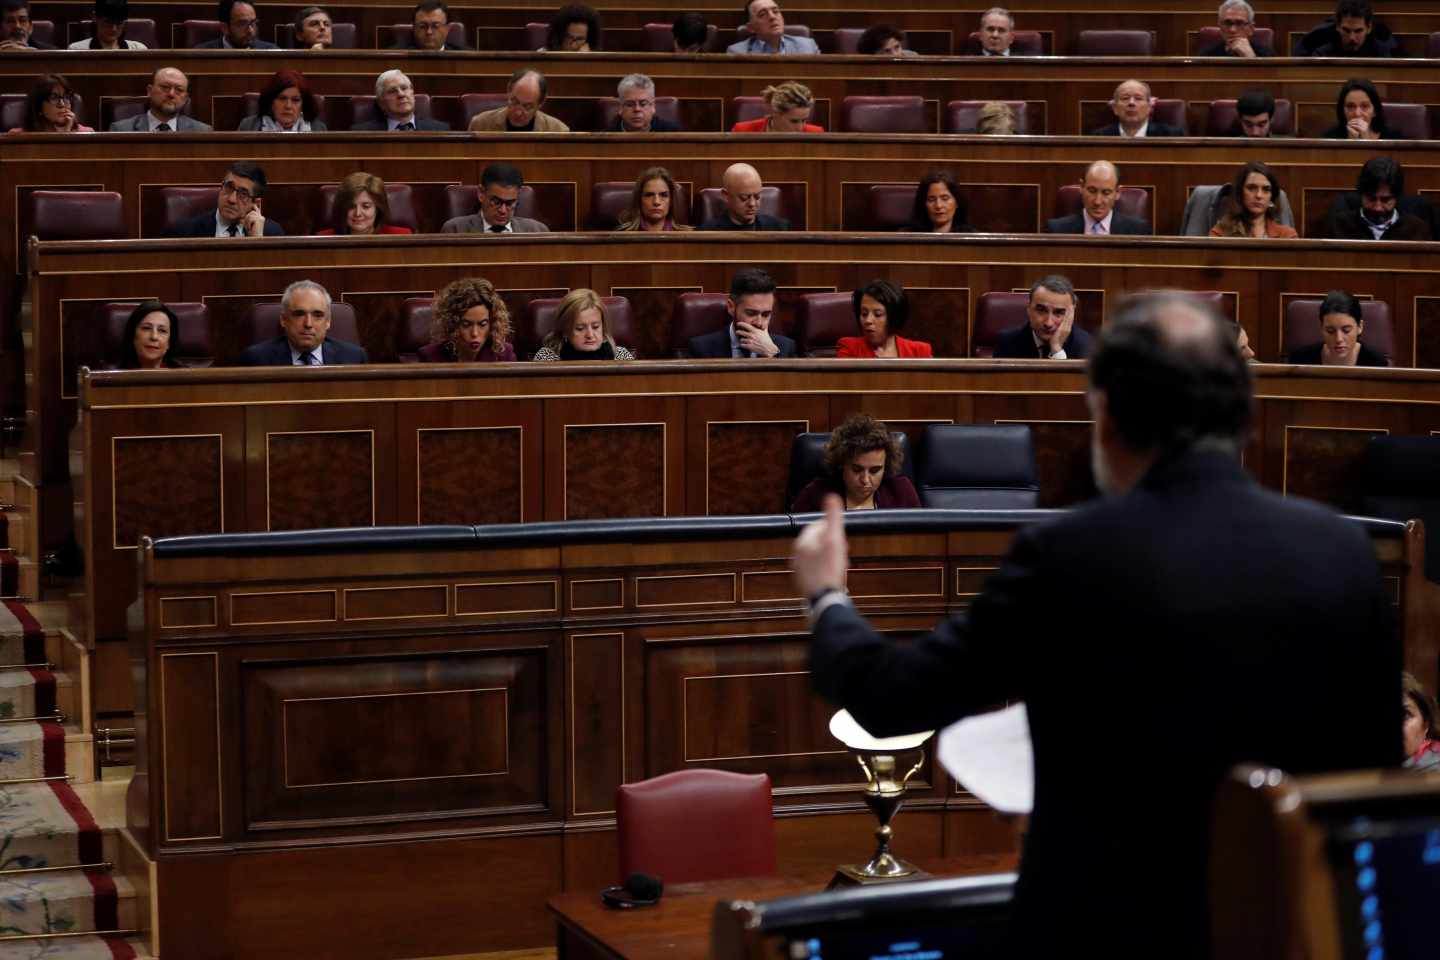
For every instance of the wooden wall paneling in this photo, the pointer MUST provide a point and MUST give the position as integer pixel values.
(614, 457)
(469, 460)
(190, 775)
(597, 708)
(1060, 427)
(744, 446)
(971, 830)
(1322, 446)
(907, 413)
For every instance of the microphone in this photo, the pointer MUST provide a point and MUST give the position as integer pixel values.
(639, 890)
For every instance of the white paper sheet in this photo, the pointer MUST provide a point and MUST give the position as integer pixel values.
(990, 755)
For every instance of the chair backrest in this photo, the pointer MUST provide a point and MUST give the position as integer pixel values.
(1409, 120)
(742, 32)
(1222, 119)
(538, 321)
(995, 313)
(1172, 112)
(1132, 202)
(182, 203)
(43, 31)
(710, 203)
(696, 314)
(115, 109)
(1302, 326)
(78, 215)
(250, 104)
(416, 314)
(195, 346)
(1115, 43)
(12, 109)
(1400, 480)
(666, 108)
(847, 39)
(461, 200)
(821, 319)
(694, 825)
(343, 36)
(473, 103)
(609, 200)
(748, 108)
(195, 32)
(390, 34)
(660, 38)
(1023, 43)
(141, 31)
(263, 322)
(888, 206)
(537, 35)
(362, 108)
(963, 116)
(400, 196)
(978, 467)
(807, 460)
(883, 115)
(1209, 36)
(1434, 46)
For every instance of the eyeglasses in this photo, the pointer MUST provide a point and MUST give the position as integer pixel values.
(500, 202)
(1235, 24)
(637, 104)
(242, 194)
(243, 24)
(431, 27)
(60, 99)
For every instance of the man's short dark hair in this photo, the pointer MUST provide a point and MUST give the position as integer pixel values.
(750, 281)
(1381, 172)
(250, 170)
(223, 10)
(690, 30)
(889, 295)
(1252, 103)
(430, 6)
(1354, 8)
(1055, 283)
(14, 6)
(1165, 390)
(1338, 301)
(524, 72)
(305, 14)
(501, 174)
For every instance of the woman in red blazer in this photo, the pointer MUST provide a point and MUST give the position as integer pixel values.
(362, 208)
(790, 105)
(881, 309)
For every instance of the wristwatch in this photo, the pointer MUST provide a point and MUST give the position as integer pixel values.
(822, 600)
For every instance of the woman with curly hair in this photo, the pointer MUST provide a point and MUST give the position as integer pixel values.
(1250, 208)
(582, 331)
(939, 206)
(789, 104)
(575, 28)
(287, 105)
(652, 203)
(470, 325)
(362, 208)
(862, 464)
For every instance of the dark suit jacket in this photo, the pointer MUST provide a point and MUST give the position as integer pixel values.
(1369, 356)
(1019, 344)
(204, 226)
(219, 44)
(1120, 225)
(1198, 579)
(276, 353)
(717, 344)
(1154, 130)
(1219, 50)
(658, 124)
(421, 124)
(407, 42)
(1348, 225)
(763, 221)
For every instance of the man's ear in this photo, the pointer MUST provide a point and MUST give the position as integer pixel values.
(730, 307)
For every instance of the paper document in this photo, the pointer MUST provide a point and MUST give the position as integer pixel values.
(991, 757)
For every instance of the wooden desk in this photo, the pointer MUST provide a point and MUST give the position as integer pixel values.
(678, 927)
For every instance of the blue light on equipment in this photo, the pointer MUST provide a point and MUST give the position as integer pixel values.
(1365, 880)
(1364, 852)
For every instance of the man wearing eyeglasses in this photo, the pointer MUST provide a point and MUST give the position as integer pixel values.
(525, 95)
(241, 29)
(741, 188)
(237, 208)
(395, 104)
(1237, 33)
(429, 29)
(637, 108)
(500, 186)
(165, 97)
(16, 27)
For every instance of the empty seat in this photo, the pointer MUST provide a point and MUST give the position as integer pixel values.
(1115, 43)
(1409, 120)
(14, 105)
(1302, 326)
(537, 35)
(846, 40)
(461, 200)
(883, 115)
(178, 204)
(263, 322)
(43, 31)
(610, 200)
(889, 206)
(666, 108)
(807, 460)
(343, 36)
(995, 313)
(416, 314)
(1222, 119)
(387, 35)
(1400, 480)
(660, 38)
(821, 319)
(141, 31)
(192, 33)
(963, 116)
(978, 467)
(194, 347)
(362, 108)
(1132, 202)
(1209, 36)
(1023, 43)
(657, 819)
(694, 315)
(538, 322)
(400, 195)
(77, 215)
(710, 204)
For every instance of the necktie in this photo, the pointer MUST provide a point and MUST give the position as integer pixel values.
(1044, 351)
(407, 125)
(1097, 227)
(307, 359)
(499, 229)
(162, 128)
(234, 230)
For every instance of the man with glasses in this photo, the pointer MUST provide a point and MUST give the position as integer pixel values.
(1051, 333)
(741, 188)
(303, 342)
(166, 95)
(1375, 211)
(16, 27)
(637, 108)
(237, 208)
(521, 113)
(766, 25)
(241, 29)
(314, 29)
(500, 186)
(429, 29)
(109, 28)
(1237, 33)
(395, 104)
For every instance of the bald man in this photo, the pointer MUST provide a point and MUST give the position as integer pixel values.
(1099, 189)
(741, 188)
(165, 96)
(1132, 103)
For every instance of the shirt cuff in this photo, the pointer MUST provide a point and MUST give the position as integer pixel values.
(830, 599)
(1059, 355)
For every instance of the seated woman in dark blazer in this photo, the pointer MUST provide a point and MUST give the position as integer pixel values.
(286, 106)
(1341, 324)
(940, 207)
(149, 339)
(470, 324)
(881, 309)
(1359, 113)
(361, 208)
(862, 465)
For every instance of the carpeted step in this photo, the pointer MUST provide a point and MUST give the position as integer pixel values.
(65, 901)
(46, 825)
(76, 948)
(30, 750)
(27, 692)
(22, 639)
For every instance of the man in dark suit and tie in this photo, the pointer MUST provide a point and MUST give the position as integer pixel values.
(1051, 333)
(741, 188)
(241, 29)
(1150, 635)
(1132, 103)
(395, 104)
(751, 306)
(429, 29)
(305, 318)
(237, 208)
(1099, 189)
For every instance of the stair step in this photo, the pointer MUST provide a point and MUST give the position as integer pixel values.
(87, 946)
(67, 901)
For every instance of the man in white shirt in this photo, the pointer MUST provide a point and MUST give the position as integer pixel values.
(1099, 189)
(166, 95)
(767, 32)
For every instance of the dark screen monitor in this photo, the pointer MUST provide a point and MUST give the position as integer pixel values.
(1387, 877)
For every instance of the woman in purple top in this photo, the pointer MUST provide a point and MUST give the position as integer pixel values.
(862, 464)
(471, 324)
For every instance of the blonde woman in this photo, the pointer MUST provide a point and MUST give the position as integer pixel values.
(582, 331)
(790, 105)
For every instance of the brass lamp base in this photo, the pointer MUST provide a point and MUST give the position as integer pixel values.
(853, 875)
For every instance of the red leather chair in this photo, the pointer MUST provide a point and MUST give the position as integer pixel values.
(963, 116)
(461, 200)
(696, 314)
(343, 36)
(846, 40)
(538, 322)
(888, 206)
(387, 35)
(1023, 43)
(192, 33)
(142, 31)
(13, 106)
(995, 313)
(710, 204)
(400, 195)
(362, 108)
(194, 345)
(1209, 36)
(1223, 119)
(537, 35)
(1434, 52)
(1133, 202)
(1115, 43)
(43, 31)
(1409, 120)
(180, 203)
(115, 109)
(1302, 325)
(250, 105)
(883, 115)
(78, 215)
(416, 313)
(473, 103)
(694, 825)
(821, 319)
(666, 108)
(660, 38)
(1171, 112)
(263, 322)
(748, 108)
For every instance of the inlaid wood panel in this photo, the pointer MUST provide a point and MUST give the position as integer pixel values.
(1324, 463)
(1062, 461)
(941, 318)
(1427, 331)
(320, 480)
(502, 597)
(397, 603)
(283, 607)
(748, 466)
(471, 475)
(191, 498)
(614, 471)
(596, 711)
(652, 308)
(190, 748)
